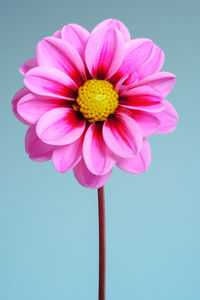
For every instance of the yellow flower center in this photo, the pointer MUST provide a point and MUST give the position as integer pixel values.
(96, 100)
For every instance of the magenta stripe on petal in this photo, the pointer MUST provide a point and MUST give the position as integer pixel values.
(51, 82)
(88, 179)
(60, 126)
(59, 54)
(104, 53)
(122, 135)
(97, 156)
(142, 98)
(138, 163)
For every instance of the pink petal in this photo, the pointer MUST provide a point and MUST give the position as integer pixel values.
(59, 54)
(28, 65)
(36, 149)
(66, 157)
(153, 64)
(122, 135)
(97, 156)
(60, 126)
(162, 81)
(21, 93)
(57, 34)
(124, 110)
(137, 52)
(113, 23)
(77, 36)
(88, 179)
(143, 91)
(142, 98)
(104, 53)
(118, 86)
(132, 78)
(138, 163)
(128, 83)
(147, 122)
(31, 107)
(51, 82)
(168, 118)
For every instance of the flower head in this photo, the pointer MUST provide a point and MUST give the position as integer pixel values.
(91, 100)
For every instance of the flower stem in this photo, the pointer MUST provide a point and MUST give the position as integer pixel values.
(102, 245)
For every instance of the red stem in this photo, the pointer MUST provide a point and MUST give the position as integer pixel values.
(102, 245)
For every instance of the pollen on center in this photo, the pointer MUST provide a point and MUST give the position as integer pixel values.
(96, 100)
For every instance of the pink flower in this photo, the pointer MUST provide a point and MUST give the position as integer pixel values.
(91, 100)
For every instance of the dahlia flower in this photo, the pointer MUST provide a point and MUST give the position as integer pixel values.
(92, 99)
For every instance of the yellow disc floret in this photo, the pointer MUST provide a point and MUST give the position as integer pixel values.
(96, 100)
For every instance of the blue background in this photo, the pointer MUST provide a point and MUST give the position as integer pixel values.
(48, 222)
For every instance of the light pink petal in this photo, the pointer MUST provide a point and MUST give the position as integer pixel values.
(77, 36)
(36, 149)
(124, 110)
(57, 34)
(147, 122)
(142, 98)
(138, 163)
(59, 54)
(168, 118)
(132, 78)
(88, 179)
(153, 64)
(31, 107)
(21, 93)
(66, 157)
(162, 81)
(51, 82)
(128, 83)
(145, 91)
(118, 86)
(113, 23)
(97, 156)
(122, 135)
(137, 52)
(104, 53)
(28, 65)
(151, 107)
(60, 126)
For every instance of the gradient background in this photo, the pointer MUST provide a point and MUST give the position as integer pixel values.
(48, 222)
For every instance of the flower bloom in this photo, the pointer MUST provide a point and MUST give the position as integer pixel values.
(91, 100)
